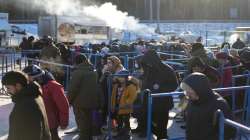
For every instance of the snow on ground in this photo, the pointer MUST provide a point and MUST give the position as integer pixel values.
(5, 108)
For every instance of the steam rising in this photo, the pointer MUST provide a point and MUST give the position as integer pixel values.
(107, 12)
(233, 38)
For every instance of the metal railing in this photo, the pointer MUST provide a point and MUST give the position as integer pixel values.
(242, 130)
(158, 95)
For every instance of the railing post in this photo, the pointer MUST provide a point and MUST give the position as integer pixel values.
(233, 96)
(206, 39)
(149, 116)
(246, 100)
(11, 61)
(2, 64)
(14, 59)
(6, 63)
(248, 106)
(221, 124)
(109, 107)
(126, 61)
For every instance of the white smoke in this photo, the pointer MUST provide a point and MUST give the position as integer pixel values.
(107, 12)
(233, 38)
(62, 7)
(116, 19)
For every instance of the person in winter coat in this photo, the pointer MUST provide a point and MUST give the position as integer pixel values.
(158, 78)
(198, 50)
(196, 64)
(245, 58)
(56, 103)
(49, 50)
(203, 103)
(225, 69)
(28, 119)
(238, 44)
(124, 93)
(23, 46)
(84, 95)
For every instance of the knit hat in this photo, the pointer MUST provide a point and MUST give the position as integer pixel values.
(34, 71)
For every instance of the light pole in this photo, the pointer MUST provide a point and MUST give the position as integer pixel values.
(158, 8)
(150, 10)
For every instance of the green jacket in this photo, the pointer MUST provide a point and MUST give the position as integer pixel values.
(83, 88)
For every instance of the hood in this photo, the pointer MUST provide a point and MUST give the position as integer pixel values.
(200, 84)
(46, 77)
(150, 60)
(32, 90)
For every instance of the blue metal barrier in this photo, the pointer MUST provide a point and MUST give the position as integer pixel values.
(124, 56)
(241, 129)
(172, 54)
(151, 96)
(247, 76)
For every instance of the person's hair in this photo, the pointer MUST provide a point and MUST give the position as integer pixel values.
(31, 38)
(15, 77)
(116, 62)
(224, 44)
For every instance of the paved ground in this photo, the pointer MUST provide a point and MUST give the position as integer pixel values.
(6, 106)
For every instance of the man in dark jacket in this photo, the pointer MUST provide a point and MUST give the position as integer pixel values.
(202, 106)
(83, 95)
(159, 78)
(28, 119)
(238, 44)
(245, 57)
(196, 64)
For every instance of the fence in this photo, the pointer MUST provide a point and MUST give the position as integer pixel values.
(12, 57)
(242, 131)
(151, 96)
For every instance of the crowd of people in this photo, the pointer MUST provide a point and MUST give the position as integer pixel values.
(108, 90)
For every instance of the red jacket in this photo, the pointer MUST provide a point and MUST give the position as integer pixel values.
(56, 104)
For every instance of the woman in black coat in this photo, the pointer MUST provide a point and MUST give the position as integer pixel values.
(203, 103)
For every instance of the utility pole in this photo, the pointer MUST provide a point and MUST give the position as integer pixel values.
(150, 10)
(158, 8)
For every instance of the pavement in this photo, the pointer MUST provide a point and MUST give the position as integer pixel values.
(6, 106)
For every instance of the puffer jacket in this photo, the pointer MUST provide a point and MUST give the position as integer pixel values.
(56, 103)
(127, 98)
